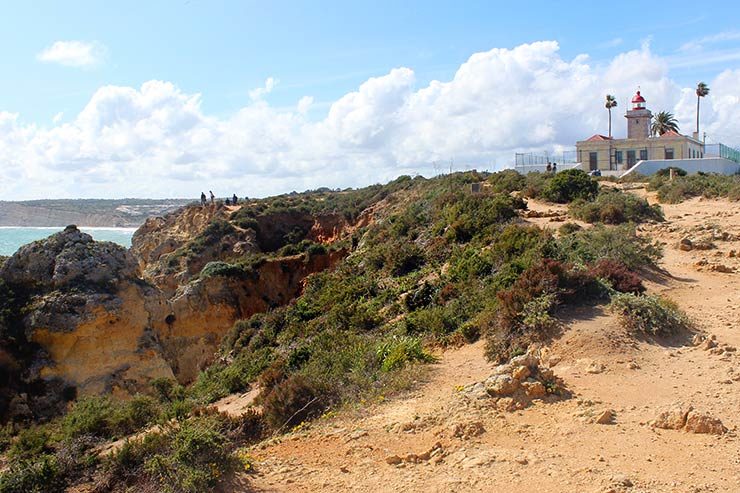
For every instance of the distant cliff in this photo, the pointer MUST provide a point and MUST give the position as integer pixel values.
(120, 213)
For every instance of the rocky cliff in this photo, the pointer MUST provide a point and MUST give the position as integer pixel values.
(81, 317)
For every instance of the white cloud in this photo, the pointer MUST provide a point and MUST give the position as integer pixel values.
(304, 104)
(156, 140)
(720, 37)
(74, 53)
(259, 92)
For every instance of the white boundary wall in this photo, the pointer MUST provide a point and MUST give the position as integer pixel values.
(691, 166)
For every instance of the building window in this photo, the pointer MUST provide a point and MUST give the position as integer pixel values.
(618, 157)
(631, 158)
(669, 153)
(643, 154)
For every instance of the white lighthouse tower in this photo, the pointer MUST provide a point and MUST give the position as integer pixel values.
(638, 119)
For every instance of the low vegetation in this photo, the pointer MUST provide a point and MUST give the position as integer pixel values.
(650, 314)
(612, 206)
(439, 265)
(699, 185)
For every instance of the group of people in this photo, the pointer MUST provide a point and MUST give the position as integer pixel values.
(552, 167)
(234, 200)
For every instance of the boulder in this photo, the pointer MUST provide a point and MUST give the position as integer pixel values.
(534, 389)
(703, 423)
(606, 417)
(501, 385)
(673, 418)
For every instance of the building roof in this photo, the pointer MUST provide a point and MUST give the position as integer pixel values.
(638, 98)
(670, 134)
(598, 137)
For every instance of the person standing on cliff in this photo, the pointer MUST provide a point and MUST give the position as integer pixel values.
(213, 197)
(234, 199)
(202, 199)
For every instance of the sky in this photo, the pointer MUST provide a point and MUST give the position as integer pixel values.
(171, 98)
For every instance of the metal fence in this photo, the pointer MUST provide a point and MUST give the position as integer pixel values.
(721, 150)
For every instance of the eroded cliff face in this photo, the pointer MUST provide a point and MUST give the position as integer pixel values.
(91, 318)
(76, 323)
(197, 317)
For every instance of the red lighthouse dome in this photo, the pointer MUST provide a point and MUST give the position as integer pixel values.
(638, 102)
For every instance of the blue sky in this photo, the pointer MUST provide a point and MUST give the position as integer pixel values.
(323, 48)
(322, 51)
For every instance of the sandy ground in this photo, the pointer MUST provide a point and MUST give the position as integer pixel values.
(554, 447)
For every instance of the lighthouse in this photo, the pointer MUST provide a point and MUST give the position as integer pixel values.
(638, 118)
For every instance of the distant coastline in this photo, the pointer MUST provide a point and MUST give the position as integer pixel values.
(91, 213)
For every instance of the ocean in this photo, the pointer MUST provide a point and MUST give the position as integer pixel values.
(12, 238)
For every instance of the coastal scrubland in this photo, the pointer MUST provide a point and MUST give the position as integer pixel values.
(437, 266)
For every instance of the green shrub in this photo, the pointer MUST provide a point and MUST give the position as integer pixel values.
(38, 475)
(211, 235)
(30, 443)
(699, 185)
(536, 183)
(131, 415)
(570, 185)
(224, 269)
(199, 458)
(650, 314)
(475, 215)
(569, 228)
(666, 172)
(103, 418)
(615, 207)
(220, 380)
(89, 416)
(619, 243)
(167, 389)
(397, 351)
(507, 181)
(432, 320)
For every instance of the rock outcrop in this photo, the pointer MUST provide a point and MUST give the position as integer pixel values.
(516, 384)
(83, 317)
(79, 322)
(684, 417)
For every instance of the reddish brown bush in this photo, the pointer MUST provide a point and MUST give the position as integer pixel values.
(291, 402)
(619, 276)
(538, 288)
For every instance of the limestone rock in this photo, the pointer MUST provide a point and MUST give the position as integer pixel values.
(685, 244)
(534, 389)
(520, 373)
(501, 385)
(703, 423)
(673, 418)
(393, 460)
(606, 417)
(468, 430)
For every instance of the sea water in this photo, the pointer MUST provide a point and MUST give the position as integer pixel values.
(12, 238)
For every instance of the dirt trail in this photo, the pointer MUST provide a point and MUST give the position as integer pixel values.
(556, 447)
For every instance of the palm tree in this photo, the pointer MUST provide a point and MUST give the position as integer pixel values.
(701, 90)
(664, 122)
(611, 102)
